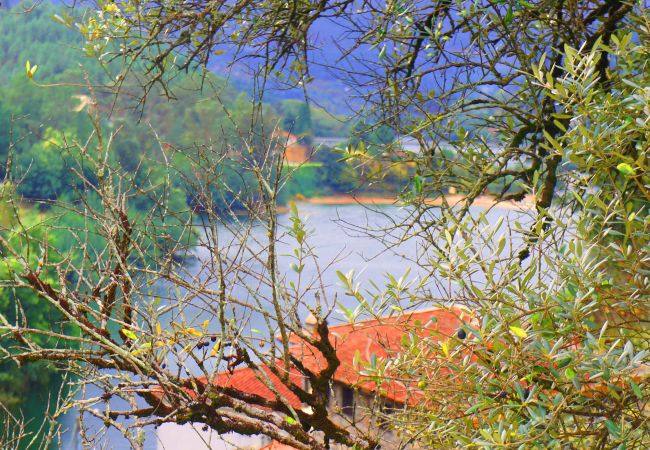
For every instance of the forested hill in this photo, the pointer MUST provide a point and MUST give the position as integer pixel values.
(45, 123)
(37, 37)
(48, 124)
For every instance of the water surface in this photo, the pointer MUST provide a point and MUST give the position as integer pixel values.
(338, 236)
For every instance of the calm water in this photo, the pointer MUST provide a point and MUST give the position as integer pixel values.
(335, 233)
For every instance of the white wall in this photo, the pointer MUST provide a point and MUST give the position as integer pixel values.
(192, 437)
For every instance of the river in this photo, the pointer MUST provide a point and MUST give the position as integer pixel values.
(337, 237)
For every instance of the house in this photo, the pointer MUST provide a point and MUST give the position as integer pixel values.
(295, 152)
(353, 399)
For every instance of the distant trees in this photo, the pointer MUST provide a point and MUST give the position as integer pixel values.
(5, 126)
(343, 178)
(296, 118)
(20, 387)
(378, 135)
(57, 47)
(556, 351)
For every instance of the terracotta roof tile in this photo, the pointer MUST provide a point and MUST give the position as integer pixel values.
(382, 338)
(249, 380)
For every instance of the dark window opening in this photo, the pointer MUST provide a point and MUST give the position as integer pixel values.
(347, 401)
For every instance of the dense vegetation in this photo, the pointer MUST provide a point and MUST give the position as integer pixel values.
(41, 126)
(546, 99)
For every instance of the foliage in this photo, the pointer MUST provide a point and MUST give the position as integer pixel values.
(38, 39)
(49, 173)
(343, 177)
(377, 136)
(23, 306)
(297, 119)
(557, 352)
(553, 350)
(205, 110)
(326, 124)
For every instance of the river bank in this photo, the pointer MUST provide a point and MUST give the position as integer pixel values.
(483, 201)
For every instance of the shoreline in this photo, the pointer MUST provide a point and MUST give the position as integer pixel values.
(482, 201)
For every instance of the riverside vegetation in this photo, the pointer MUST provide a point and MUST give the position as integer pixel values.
(546, 99)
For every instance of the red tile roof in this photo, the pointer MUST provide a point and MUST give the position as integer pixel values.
(252, 381)
(382, 338)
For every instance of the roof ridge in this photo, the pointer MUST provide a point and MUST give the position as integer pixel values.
(402, 314)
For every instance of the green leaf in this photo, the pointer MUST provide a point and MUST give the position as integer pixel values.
(59, 19)
(356, 359)
(613, 428)
(130, 334)
(501, 244)
(636, 389)
(291, 420)
(625, 169)
(510, 15)
(520, 332)
(417, 182)
(569, 373)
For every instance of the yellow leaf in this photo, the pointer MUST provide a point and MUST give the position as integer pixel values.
(216, 348)
(111, 7)
(519, 332)
(205, 325)
(445, 348)
(194, 332)
(158, 329)
(219, 52)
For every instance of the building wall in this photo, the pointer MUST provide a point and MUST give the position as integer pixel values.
(297, 154)
(192, 437)
(365, 415)
(361, 414)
